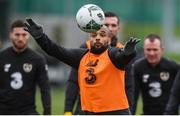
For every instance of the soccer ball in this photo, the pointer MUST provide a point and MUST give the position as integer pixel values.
(90, 18)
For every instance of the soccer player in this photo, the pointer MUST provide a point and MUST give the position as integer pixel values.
(154, 76)
(112, 21)
(172, 107)
(100, 69)
(21, 69)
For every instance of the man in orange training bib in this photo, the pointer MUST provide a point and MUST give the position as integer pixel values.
(99, 68)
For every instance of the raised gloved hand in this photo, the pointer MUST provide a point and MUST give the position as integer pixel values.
(130, 45)
(35, 30)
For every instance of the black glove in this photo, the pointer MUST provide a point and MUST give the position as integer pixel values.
(35, 30)
(130, 45)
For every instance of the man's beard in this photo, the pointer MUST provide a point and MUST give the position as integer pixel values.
(19, 47)
(99, 50)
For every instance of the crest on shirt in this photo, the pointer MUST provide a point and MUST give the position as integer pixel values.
(164, 76)
(27, 67)
(145, 78)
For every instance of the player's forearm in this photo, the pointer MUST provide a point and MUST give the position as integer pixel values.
(46, 100)
(136, 95)
(50, 47)
(124, 58)
(126, 54)
(45, 94)
(72, 92)
(119, 58)
(129, 87)
(69, 56)
(172, 106)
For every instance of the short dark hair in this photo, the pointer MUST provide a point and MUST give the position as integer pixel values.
(111, 14)
(152, 37)
(17, 23)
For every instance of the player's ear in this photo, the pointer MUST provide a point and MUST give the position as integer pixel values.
(28, 35)
(119, 28)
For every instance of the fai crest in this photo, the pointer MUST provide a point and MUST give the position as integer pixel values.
(164, 76)
(27, 67)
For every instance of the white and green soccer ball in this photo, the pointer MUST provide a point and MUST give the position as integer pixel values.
(90, 18)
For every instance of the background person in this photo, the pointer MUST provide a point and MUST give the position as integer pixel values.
(72, 97)
(154, 76)
(21, 69)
